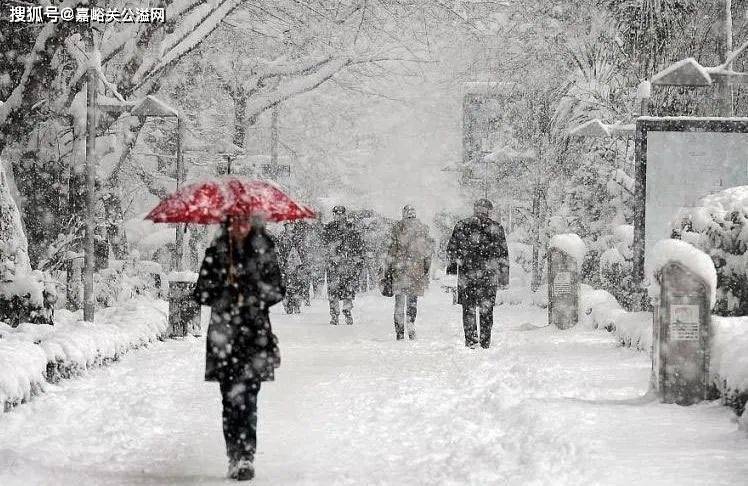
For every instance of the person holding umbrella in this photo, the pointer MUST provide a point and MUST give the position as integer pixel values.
(240, 279)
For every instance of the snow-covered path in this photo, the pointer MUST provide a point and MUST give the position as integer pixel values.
(352, 406)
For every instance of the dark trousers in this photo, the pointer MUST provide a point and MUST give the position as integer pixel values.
(240, 418)
(403, 310)
(471, 328)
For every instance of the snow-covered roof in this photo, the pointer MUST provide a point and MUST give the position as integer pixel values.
(152, 106)
(686, 72)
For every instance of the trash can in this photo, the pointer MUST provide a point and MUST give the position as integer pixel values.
(184, 312)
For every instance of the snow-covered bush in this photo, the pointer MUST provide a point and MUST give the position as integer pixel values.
(598, 204)
(31, 355)
(23, 297)
(124, 280)
(719, 227)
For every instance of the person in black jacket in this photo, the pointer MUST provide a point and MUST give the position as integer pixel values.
(343, 259)
(477, 253)
(291, 256)
(240, 279)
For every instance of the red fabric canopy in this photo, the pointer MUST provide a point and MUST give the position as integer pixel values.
(213, 201)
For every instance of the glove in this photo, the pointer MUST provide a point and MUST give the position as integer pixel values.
(452, 268)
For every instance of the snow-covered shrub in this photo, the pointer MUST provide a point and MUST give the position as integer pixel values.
(124, 280)
(25, 298)
(719, 227)
(599, 309)
(616, 266)
(598, 204)
(31, 355)
(729, 360)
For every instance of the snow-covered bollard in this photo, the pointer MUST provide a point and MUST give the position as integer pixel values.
(184, 312)
(686, 286)
(565, 256)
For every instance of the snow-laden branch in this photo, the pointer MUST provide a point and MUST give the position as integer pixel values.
(16, 97)
(294, 87)
(157, 184)
(196, 27)
(282, 66)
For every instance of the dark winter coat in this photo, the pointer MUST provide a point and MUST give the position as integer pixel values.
(409, 257)
(292, 259)
(241, 345)
(344, 256)
(478, 249)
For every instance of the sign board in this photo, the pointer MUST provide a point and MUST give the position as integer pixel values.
(562, 283)
(679, 161)
(483, 114)
(684, 322)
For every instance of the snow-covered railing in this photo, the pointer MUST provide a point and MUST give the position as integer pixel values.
(33, 354)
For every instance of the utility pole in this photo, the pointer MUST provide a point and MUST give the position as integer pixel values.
(274, 137)
(181, 176)
(88, 269)
(725, 88)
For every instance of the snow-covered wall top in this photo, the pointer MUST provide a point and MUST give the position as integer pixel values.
(697, 261)
(572, 245)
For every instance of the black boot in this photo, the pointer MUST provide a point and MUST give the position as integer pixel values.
(245, 470)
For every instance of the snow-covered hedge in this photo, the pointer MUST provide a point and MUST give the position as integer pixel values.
(122, 281)
(729, 350)
(33, 354)
(718, 225)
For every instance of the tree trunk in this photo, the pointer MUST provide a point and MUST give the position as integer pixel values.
(240, 110)
(535, 282)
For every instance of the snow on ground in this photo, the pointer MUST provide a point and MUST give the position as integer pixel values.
(352, 406)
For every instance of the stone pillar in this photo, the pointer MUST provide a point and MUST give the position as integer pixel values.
(681, 336)
(563, 289)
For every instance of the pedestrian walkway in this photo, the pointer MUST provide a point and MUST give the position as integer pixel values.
(350, 405)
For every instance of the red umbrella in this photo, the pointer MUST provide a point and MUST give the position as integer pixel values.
(212, 202)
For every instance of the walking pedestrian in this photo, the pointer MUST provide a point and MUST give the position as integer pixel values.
(240, 280)
(343, 259)
(290, 250)
(407, 266)
(477, 253)
(316, 257)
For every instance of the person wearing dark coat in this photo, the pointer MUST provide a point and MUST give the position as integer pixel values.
(407, 267)
(477, 253)
(240, 280)
(343, 259)
(315, 257)
(291, 255)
